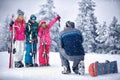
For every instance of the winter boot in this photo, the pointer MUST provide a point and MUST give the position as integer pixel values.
(66, 70)
(19, 64)
(29, 65)
(35, 65)
(75, 70)
(81, 68)
(42, 65)
(48, 64)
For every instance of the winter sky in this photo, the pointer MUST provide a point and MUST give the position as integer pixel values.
(67, 9)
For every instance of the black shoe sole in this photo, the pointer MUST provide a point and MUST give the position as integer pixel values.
(43, 65)
(66, 72)
(18, 66)
(28, 65)
(35, 65)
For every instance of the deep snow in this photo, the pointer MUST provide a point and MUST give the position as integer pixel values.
(54, 71)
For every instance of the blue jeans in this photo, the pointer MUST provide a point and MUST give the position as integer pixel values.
(28, 55)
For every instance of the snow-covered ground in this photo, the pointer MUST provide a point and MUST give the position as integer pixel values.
(54, 71)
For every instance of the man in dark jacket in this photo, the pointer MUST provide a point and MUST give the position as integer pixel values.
(70, 48)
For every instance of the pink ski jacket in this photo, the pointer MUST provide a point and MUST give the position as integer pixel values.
(19, 30)
(44, 34)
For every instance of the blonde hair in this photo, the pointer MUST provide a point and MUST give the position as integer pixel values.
(20, 22)
(45, 26)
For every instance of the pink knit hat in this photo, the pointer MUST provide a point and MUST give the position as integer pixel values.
(43, 22)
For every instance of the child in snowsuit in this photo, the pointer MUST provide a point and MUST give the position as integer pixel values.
(70, 48)
(19, 27)
(45, 41)
(31, 41)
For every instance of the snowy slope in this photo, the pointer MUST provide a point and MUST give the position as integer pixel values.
(54, 71)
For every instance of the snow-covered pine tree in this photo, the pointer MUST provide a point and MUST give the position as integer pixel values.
(102, 32)
(46, 12)
(86, 23)
(4, 35)
(113, 40)
(1, 36)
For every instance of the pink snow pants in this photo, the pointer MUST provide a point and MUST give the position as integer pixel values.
(42, 60)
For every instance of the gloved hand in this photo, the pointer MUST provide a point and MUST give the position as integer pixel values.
(58, 17)
(9, 50)
(11, 23)
(14, 50)
(32, 53)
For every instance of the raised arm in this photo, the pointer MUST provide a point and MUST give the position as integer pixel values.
(53, 21)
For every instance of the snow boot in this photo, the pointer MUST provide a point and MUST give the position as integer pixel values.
(75, 70)
(66, 70)
(29, 65)
(35, 65)
(42, 65)
(48, 64)
(19, 64)
(81, 68)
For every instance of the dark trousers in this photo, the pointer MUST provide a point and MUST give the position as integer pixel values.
(65, 59)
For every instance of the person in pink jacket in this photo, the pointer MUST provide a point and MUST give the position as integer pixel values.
(19, 28)
(45, 41)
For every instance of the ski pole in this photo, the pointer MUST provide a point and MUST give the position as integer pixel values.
(59, 22)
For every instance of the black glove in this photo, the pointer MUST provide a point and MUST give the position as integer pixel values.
(33, 53)
(14, 51)
(58, 17)
(9, 50)
(11, 23)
